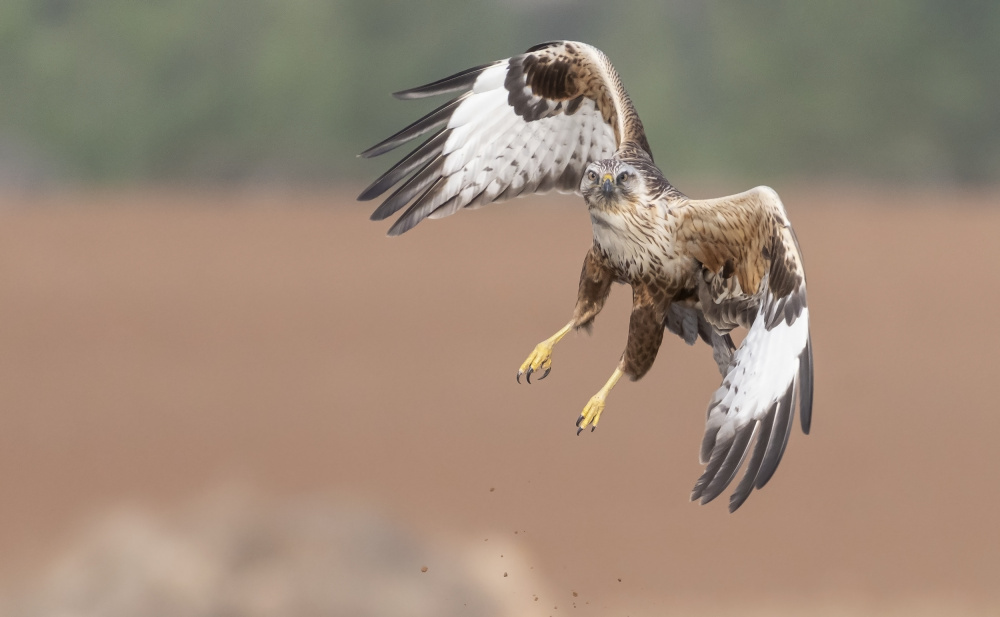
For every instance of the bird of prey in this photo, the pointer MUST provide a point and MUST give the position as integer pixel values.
(557, 117)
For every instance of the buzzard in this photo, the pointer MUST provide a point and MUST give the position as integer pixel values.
(558, 118)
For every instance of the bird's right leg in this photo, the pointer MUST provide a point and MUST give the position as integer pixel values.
(541, 357)
(595, 285)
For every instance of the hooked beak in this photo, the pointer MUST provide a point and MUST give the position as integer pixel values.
(607, 185)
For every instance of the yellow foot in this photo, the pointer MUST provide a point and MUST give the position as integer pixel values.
(591, 413)
(540, 359)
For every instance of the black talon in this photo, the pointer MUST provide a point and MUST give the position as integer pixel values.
(578, 431)
(519, 377)
(528, 374)
(592, 428)
(545, 374)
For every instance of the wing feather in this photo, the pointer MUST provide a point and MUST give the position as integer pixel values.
(806, 387)
(751, 275)
(528, 124)
(729, 456)
(459, 81)
(746, 485)
(416, 185)
(437, 118)
(776, 445)
(429, 150)
(688, 322)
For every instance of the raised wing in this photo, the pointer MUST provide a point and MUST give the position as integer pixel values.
(751, 276)
(527, 124)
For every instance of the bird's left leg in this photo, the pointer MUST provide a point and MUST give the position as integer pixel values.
(645, 333)
(592, 412)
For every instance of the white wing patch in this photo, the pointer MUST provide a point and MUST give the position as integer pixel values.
(485, 150)
(495, 152)
(757, 400)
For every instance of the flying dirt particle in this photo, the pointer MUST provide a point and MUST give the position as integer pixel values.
(619, 580)
(423, 568)
(515, 532)
(536, 598)
(492, 489)
(501, 556)
(575, 594)
(505, 575)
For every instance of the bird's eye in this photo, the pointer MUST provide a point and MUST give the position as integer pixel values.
(622, 177)
(592, 175)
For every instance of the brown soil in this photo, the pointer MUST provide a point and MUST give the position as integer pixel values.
(157, 344)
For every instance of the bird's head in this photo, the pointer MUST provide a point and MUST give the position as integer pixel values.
(610, 185)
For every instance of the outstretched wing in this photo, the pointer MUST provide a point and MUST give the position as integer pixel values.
(527, 124)
(751, 276)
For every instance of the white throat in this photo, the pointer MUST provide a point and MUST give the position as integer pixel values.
(620, 236)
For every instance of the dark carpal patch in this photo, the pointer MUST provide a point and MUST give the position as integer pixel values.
(550, 79)
(519, 98)
(539, 85)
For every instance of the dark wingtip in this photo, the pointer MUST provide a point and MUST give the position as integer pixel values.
(734, 454)
(406, 95)
(377, 149)
(404, 224)
(780, 432)
(427, 123)
(806, 387)
(746, 485)
(452, 83)
(544, 45)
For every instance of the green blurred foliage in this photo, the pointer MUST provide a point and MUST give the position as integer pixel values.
(126, 90)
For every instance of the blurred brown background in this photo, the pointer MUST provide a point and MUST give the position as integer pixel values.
(224, 391)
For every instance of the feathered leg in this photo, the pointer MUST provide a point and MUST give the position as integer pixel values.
(595, 285)
(645, 333)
